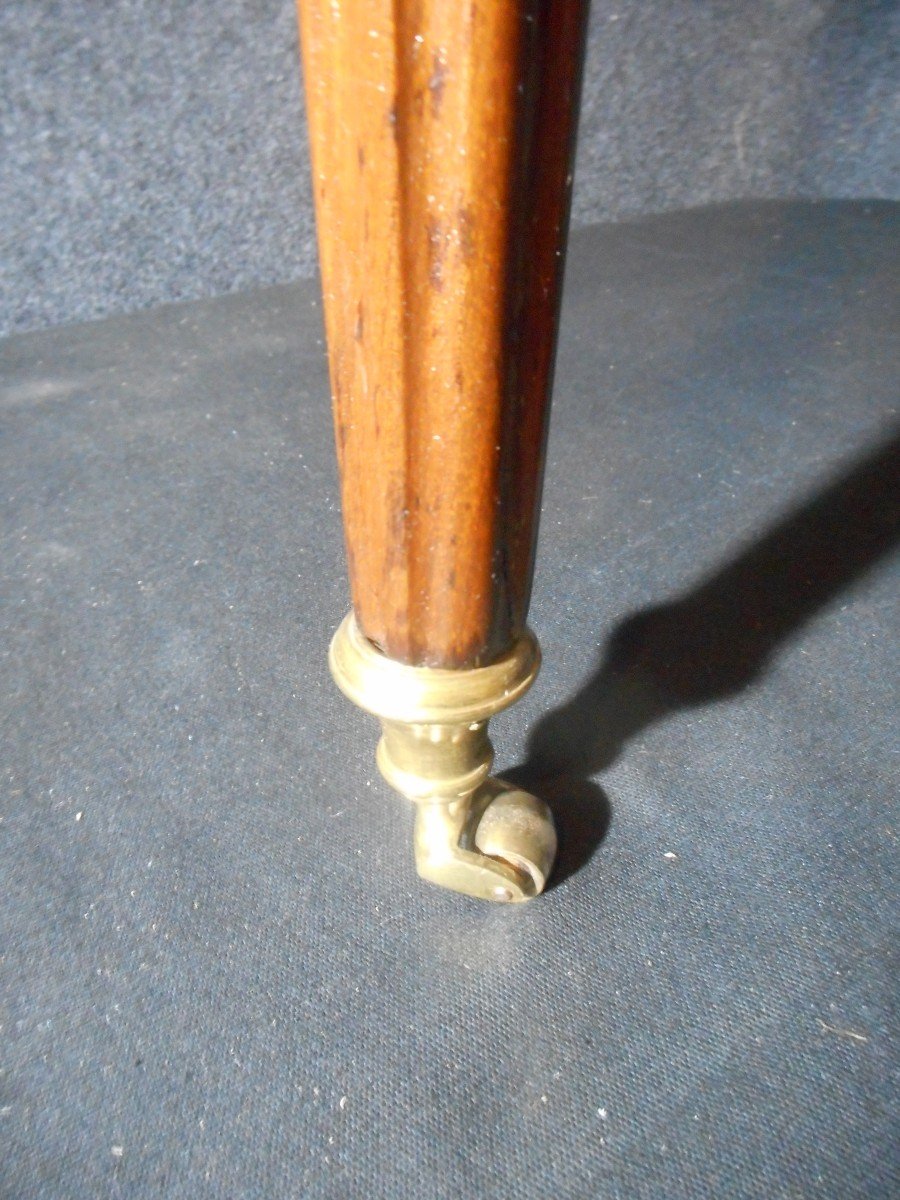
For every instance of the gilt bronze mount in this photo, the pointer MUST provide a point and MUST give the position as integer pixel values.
(474, 834)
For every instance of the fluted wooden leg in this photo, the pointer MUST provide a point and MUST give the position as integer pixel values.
(442, 138)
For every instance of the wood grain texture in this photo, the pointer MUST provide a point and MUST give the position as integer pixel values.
(442, 139)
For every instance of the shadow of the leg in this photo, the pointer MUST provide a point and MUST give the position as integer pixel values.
(710, 644)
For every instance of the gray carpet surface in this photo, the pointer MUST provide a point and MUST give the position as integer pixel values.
(155, 152)
(220, 976)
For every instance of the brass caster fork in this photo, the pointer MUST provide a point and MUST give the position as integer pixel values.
(474, 834)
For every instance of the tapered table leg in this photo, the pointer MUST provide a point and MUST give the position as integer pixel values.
(442, 139)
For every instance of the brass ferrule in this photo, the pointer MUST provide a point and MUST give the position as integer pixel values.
(474, 834)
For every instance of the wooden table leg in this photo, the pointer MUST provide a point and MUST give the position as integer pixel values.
(442, 141)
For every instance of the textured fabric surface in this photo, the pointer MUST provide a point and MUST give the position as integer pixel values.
(220, 976)
(157, 152)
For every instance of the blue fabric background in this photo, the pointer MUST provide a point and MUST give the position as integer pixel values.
(157, 151)
(220, 976)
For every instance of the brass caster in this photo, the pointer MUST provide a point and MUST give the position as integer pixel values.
(474, 834)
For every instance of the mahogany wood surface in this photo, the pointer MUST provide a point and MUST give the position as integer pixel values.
(442, 140)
